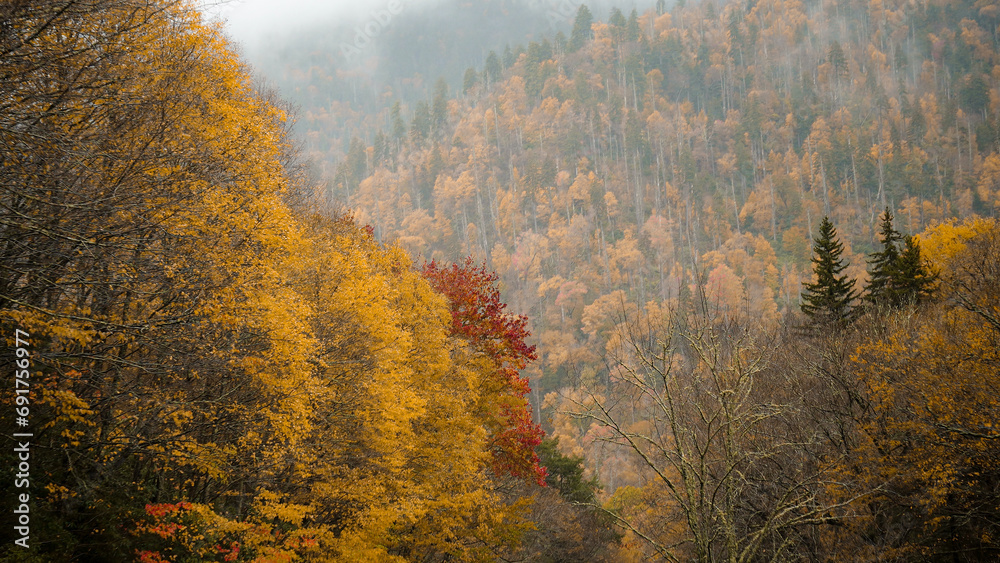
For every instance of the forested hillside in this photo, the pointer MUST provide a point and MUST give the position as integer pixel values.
(624, 163)
(335, 69)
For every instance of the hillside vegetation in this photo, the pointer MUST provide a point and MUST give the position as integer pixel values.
(645, 155)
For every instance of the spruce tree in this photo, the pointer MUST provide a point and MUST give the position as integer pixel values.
(470, 80)
(492, 70)
(439, 107)
(632, 30)
(897, 276)
(398, 127)
(882, 264)
(828, 300)
(915, 282)
(581, 28)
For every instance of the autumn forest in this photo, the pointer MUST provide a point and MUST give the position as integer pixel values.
(705, 281)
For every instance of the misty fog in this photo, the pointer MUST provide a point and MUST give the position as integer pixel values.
(273, 32)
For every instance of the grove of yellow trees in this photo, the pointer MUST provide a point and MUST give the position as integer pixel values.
(220, 370)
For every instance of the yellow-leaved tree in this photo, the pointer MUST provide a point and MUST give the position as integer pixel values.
(217, 371)
(396, 463)
(926, 438)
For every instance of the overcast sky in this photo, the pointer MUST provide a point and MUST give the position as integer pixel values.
(247, 20)
(259, 24)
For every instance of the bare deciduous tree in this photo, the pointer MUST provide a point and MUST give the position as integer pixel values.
(719, 430)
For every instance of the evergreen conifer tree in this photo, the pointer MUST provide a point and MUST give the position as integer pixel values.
(882, 264)
(632, 31)
(398, 126)
(492, 70)
(509, 57)
(828, 300)
(915, 281)
(581, 28)
(470, 80)
(439, 107)
(897, 275)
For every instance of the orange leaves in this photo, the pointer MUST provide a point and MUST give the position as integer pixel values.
(988, 188)
(201, 340)
(724, 291)
(580, 189)
(600, 316)
(160, 510)
(187, 531)
(928, 379)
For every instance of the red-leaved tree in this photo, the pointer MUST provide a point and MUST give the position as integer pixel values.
(479, 317)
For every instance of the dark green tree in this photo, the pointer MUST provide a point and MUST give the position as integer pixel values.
(828, 301)
(632, 31)
(882, 264)
(560, 42)
(381, 149)
(439, 107)
(470, 81)
(974, 94)
(492, 70)
(915, 281)
(420, 127)
(897, 273)
(837, 59)
(354, 167)
(581, 28)
(617, 22)
(398, 126)
(509, 58)
(565, 473)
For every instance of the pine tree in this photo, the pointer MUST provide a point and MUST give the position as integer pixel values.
(492, 71)
(897, 276)
(581, 28)
(439, 107)
(915, 282)
(381, 148)
(565, 473)
(509, 58)
(837, 59)
(828, 300)
(617, 22)
(470, 80)
(883, 264)
(632, 31)
(420, 127)
(398, 127)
